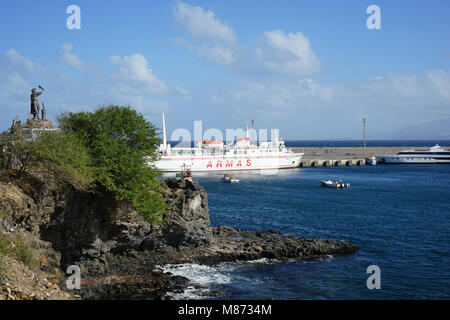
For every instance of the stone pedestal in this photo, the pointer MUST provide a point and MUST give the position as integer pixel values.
(38, 124)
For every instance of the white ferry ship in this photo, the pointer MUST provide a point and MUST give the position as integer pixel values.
(216, 156)
(434, 154)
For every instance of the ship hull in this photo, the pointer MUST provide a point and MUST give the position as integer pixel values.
(224, 163)
(396, 159)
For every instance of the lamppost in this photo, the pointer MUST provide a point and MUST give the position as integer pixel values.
(364, 138)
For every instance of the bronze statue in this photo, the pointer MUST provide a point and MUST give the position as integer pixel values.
(34, 101)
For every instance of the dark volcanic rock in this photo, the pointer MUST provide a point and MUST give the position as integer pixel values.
(151, 286)
(187, 223)
(112, 242)
(97, 227)
(248, 245)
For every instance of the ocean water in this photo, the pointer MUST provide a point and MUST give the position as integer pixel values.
(399, 215)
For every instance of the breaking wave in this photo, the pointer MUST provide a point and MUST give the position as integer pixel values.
(207, 281)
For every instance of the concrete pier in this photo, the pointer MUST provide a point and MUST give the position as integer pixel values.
(340, 163)
(305, 163)
(317, 163)
(341, 153)
(331, 163)
(345, 156)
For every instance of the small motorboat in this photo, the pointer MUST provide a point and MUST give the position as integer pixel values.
(334, 184)
(184, 174)
(229, 179)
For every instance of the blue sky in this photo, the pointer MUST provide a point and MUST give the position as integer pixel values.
(310, 68)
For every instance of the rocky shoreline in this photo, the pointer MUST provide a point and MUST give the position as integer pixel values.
(117, 250)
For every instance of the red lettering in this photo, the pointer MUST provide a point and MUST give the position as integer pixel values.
(209, 165)
(249, 163)
(229, 163)
(239, 164)
(219, 163)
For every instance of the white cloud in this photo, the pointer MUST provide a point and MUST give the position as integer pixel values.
(440, 80)
(215, 42)
(211, 39)
(185, 94)
(219, 55)
(203, 24)
(278, 95)
(16, 84)
(72, 59)
(141, 102)
(287, 54)
(134, 73)
(13, 58)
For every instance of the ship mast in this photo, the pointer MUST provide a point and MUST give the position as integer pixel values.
(164, 132)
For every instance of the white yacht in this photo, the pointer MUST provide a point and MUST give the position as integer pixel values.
(435, 154)
(216, 156)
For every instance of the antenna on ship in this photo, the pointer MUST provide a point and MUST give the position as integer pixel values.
(253, 132)
(164, 132)
(246, 134)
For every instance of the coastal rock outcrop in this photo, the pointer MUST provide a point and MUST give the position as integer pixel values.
(117, 249)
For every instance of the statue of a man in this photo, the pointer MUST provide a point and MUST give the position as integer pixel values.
(34, 101)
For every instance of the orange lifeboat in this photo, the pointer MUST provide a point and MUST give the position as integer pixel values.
(212, 142)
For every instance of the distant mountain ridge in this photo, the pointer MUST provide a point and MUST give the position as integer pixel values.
(438, 129)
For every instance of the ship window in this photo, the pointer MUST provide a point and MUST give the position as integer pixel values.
(240, 152)
(245, 152)
(235, 152)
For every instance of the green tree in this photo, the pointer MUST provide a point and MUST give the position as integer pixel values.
(121, 143)
(64, 154)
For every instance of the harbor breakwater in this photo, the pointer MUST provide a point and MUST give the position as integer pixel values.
(344, 156)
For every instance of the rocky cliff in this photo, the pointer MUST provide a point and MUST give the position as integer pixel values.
(117, 249)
